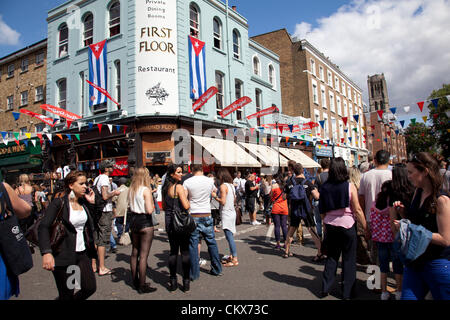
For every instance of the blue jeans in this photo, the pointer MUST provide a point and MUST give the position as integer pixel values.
(157, 209)
(230, 239)
(205, 227)
(386, 253)
(318, 218)
(435, 277)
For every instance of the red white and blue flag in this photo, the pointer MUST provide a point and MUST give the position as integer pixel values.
(197, 70)
(98, 72)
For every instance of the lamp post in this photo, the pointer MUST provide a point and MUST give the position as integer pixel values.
(276, 118)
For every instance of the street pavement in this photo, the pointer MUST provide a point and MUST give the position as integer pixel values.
(262, 273)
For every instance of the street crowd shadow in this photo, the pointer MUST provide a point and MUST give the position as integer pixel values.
(261, 246)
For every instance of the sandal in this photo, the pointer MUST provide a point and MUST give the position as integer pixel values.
(232, 263)
(287, 255)
(318, 258)
(108, 272)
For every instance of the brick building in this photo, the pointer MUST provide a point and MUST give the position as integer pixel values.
(314, 87)
(384, 130)
(22, 86)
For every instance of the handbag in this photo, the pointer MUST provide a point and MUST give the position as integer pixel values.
(125, 239)
(13, 244)
(270, 206)
(182, 221)
(57, 235)
(237, 208)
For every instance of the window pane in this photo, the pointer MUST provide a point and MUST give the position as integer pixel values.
(114, 19)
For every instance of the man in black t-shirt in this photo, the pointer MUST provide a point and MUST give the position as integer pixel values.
(251, 192)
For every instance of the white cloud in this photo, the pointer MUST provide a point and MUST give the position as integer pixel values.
(407, 40)
(8, 36)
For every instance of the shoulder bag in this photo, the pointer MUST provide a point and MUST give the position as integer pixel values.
(125, 239)
(182, 221)
(13, 244)
(237, 208)
(58, 231)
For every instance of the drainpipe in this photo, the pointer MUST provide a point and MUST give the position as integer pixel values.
(229, 61)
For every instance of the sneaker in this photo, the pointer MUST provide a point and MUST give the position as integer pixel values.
(256, 223)
(398, 295)
(202, 262)
(385, 295)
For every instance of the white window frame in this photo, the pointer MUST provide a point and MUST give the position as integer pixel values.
(39, 96)
(118, 78)
(350, 110)
(217, 36)
(331, 96)
(113, 22)
(313, 66)
(194, 24)
(325, 126)
(343, 89)
(63, 45)
(336, 83)
(10, 102)
(345, 113)
(88, 31)
(341, 130)
(258, 104)
(40, 58)
(323, 96)
(61, 103)
(11, 70)
(37, 126)
(24, 65)
(338, 105)
(349, 93)
(220, 96)
(257, 66)
(330, 78)
(333, 129)
(317, 119)
(24, 98)
(272, 75)
(315, 92)
(236, 44)
(321, 76)
(238, 95)
(354, 98)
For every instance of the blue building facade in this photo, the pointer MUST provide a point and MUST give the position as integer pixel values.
(148, 52)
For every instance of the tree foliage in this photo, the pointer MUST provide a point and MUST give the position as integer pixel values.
(420, 139)
(440, 119)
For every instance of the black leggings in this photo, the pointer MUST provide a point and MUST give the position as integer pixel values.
(181, 244)
(87, 279)
(141, 243)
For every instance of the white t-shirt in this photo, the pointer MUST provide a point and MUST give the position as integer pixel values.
(78, 219)
(199, 189)
(103, 181)
(61, 173)
(370, 186)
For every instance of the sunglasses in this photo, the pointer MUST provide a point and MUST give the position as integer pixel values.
(415, 159)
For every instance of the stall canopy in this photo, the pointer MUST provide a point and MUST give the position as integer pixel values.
(300, 157)
(227, 153)
(266, 155)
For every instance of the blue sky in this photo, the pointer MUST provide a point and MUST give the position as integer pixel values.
(401, 38)
(32, 25)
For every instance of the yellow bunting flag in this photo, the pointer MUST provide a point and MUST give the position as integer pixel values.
(425, 119)
(28, 135)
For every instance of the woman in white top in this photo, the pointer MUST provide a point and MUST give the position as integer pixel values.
(141, 204)
(228, 213)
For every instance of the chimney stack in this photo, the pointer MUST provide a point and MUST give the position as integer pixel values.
(234, 8)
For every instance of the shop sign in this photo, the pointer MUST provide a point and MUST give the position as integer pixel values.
(120, 167)
(159, 127)
(12, 150)
(323, 151)
(156, 57)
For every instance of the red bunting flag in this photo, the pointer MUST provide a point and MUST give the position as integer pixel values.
(342, 140)
(99, 127)
(345, 120)
(373, 127)
(39, 135)
(68, 124)
(389, 133)
(380, 114)
(287, 138)
(280, 128)
(420, 104)
(226, 132)
(251, 131)
(435, 115)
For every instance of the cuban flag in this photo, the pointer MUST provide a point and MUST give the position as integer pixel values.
(197, 71)
(98, 72)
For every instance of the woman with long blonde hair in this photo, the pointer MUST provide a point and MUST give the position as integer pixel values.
(141, 226)
(25, 192)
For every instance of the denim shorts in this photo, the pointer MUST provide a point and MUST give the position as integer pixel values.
(386, 254)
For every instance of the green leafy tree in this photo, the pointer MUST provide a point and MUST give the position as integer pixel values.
(420, 139)
(440, 119)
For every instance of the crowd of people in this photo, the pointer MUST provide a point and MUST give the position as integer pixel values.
(344, 210)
